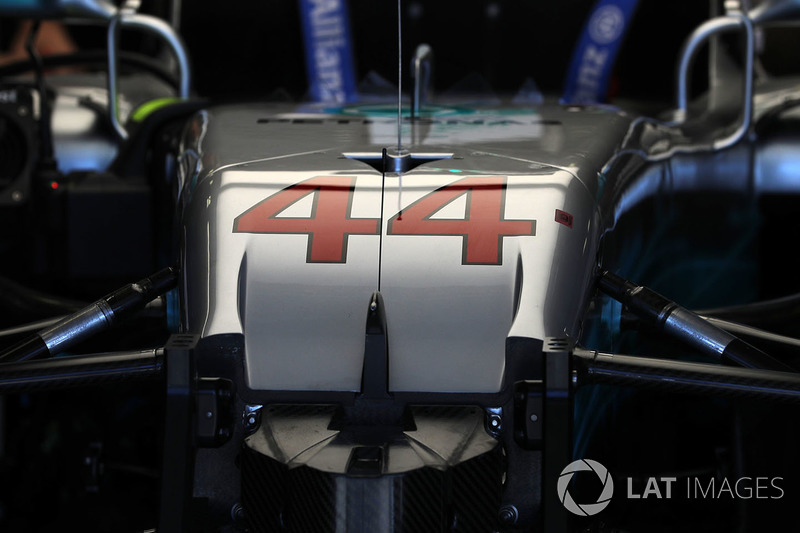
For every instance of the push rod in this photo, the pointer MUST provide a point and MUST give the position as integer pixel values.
(99, 316)
(678, 376)
(669, 317)
(77, 371)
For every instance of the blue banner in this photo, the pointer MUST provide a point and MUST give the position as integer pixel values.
(594, 57)
(29, 8)
(329, 50)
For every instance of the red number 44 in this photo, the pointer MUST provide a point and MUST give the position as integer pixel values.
(482, 229)
(329, 225)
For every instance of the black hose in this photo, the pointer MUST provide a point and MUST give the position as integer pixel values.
(768, 312)
(755, 333)
(769, 121)
(31, 326)
(29, 303)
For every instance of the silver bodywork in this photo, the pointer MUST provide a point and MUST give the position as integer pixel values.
(448, 322)
(303, 322)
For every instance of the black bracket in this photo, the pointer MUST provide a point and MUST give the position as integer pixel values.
(213, 425)
(178, 457)
(529, 414)
(542, 444)
(198, 415)
(557, 428)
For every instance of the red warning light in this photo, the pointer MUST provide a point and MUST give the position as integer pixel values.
(54, 185)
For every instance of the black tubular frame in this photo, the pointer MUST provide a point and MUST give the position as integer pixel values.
(83, 370)
(678, 376)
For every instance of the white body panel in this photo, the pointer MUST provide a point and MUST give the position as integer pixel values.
(447, 320)
(293, 314)
(303, 322)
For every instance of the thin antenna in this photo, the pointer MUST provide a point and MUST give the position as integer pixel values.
(399, 78)
(384, 158)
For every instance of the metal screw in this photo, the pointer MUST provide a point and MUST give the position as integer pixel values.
(251, 416)
(22, 111)
(17, 196)
(534, 418)
(209, 414)
(494, 420)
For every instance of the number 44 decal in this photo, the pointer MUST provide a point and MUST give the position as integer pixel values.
(330, 224)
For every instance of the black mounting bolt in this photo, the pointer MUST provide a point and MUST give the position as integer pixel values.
(508, 515)
(237, 512)
(251, 417)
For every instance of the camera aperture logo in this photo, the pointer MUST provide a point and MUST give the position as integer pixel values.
(585, 509)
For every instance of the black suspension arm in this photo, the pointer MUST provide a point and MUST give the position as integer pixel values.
(66, 372)
(97, 317)
(667, 316)
(677, 376)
